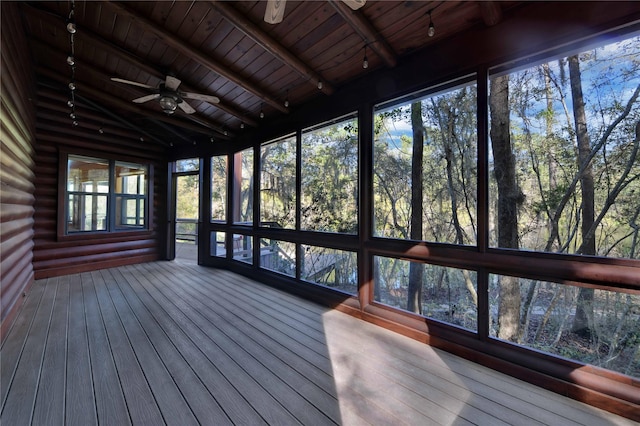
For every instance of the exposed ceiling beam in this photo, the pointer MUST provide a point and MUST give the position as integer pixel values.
(101, 96)
(105, 78)
(369, 34)
(269, 44)
(112, 115)
(197, 55)
(112, 49)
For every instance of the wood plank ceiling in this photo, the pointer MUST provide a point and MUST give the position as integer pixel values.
(225, 49)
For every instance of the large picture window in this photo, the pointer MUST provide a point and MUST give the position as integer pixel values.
(104, 195)
(565, 161)
(278, 183)
(329, 178)
(425, 167)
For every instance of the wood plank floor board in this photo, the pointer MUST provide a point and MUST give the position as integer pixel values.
(406, 403)
(437, 413)
(111, 407)
(141, 403)
(268, 383)
(226, 384)
(80, 404)
(235, 407)
(432, 409)
(18, 407)
(312, 387)
(487, 388)
(13, 347)
(170, 401)
(50, 397)
(204, 407)
(501, 400)
(207, 346)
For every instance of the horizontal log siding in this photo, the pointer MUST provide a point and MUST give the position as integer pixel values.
(54, 257)
(17, 119)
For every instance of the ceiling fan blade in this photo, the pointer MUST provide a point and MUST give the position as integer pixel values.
(274, 12)
(133, 83)
(354, 4)
(146, 98)
(172, 83)
(200, 97)
(186, 107)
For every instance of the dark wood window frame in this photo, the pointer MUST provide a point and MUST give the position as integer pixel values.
(112, 230)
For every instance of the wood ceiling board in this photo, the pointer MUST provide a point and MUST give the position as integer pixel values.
(205, 29)
(196, 18)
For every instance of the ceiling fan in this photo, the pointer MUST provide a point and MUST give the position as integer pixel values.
(170, 98)
(274, 12)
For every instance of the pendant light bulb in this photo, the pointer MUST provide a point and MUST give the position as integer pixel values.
(71, 27)
(72, 86)
(432, 29)
(365, 61)
(320, 85)
(71, 61)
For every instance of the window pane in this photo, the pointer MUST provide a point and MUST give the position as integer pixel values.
(564, 162)
(243, 248)
(85, 174)
(278, 184)
(443, 205)
(596, 327)
(278, 256)
(442, 293)
(188, 165)
(131, 178)
(218, 244)
(219, 188)
(330, 178)
(332, 268)
(243, 183)
(129, 212)
(87, 213)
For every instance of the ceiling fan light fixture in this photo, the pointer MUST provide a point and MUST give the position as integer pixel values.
(168, 104)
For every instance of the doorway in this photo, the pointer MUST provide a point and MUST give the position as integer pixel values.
(186, 210)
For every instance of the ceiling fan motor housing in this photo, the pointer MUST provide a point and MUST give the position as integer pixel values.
(169, 100)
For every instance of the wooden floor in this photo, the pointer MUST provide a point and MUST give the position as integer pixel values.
(176, 343)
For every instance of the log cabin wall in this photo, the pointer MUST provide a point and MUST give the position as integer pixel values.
(54, 256)
(16, 168)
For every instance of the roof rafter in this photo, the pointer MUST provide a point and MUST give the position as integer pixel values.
(269, 44)
(197, 55)
(369, 34)
(127, 56)
(100, 95)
